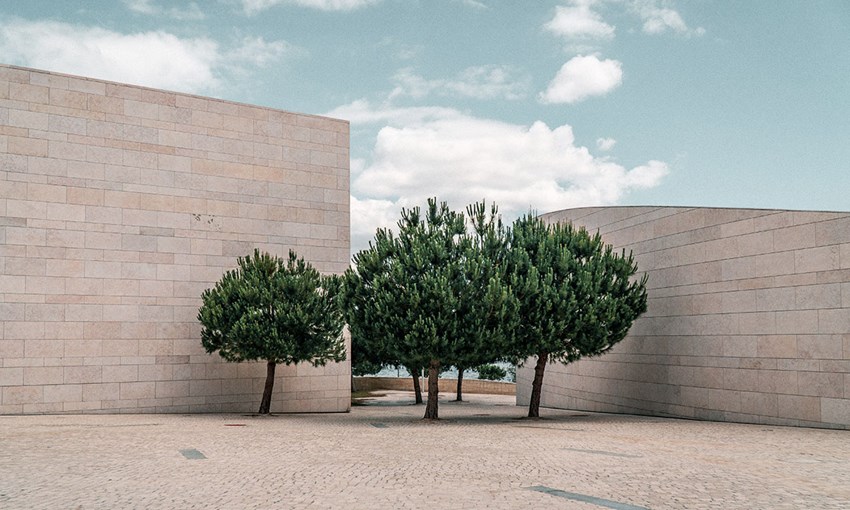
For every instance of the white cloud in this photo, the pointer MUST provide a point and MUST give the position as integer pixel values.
(579, 21)
(605, 144)
(461, 159)
(148, 7)
(154, 59)
(582, 77)
(479, 82)
(658, 19)
(255, 6)
(258, 51)
(362, 112)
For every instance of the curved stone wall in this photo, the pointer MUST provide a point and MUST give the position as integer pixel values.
(748, 318)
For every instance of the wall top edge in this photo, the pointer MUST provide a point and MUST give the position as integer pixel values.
(184, 94)
(591, 209)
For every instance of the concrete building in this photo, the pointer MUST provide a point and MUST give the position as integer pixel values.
(119, 205)
(748, 319)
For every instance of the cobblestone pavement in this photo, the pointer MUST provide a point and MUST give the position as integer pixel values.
(482, 454)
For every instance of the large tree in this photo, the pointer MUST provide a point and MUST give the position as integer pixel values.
(485, 345)
(431, 292)
(371, 340)
(273, 310)
(577, 297)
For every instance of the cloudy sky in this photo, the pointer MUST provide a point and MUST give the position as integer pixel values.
(536, 105)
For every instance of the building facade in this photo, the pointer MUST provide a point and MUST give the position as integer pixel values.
(748, 318)
(119, 205)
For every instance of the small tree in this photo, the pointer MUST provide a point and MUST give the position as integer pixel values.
(273, 310)
(577, 297)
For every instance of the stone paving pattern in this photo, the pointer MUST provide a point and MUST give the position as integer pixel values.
(481, 455)
(748, 318)
(119, 205)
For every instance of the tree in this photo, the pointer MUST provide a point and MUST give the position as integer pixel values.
(370, 338)
(577, 298)
(491, 372)
(430, 292)
(490, 241)
(273, 310)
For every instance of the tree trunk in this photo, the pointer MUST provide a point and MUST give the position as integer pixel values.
(266, 403)
(537, 385)
(417, 389)
(433, 390)
(459, 385)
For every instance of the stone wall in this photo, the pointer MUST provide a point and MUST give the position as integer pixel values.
(446, 386)
(119, 205)
(748, 319)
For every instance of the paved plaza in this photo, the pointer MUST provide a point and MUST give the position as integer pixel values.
(482, 454)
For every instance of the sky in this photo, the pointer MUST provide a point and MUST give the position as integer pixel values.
(534, 105)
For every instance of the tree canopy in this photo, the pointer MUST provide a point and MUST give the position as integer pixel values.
(273, 310)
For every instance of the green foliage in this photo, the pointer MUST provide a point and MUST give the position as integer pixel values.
(491, 372)
(274, 310)
(433, 294)
(576, 296)
(364, 367)
(445, 291)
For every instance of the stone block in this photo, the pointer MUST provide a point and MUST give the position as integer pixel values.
(836, 321)
(761, 404)
(820, 384)
(171, 389)
(80, 348)
(99, 392)
(82, 374)
(156, 372)
(777, 382)
(22, 395)
(41, 348)
(137, 390)
(777, 346)
(29, 93)
(803, 322)
(27, 119)
(822, 258)
(13, 376)
(760, 323)
(799, 407)
(120, 373)
(834, 410)
(63, 393)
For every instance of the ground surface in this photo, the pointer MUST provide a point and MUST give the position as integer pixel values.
(481, 455)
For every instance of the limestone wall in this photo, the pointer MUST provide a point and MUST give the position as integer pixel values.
(446, 386)
(748, 319)
(119, 205)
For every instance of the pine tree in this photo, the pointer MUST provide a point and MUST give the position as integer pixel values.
(485, 344)
(431, 293)
(577, 298)
(273, 310)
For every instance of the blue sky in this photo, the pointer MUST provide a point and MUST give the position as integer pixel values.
(534, 105)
